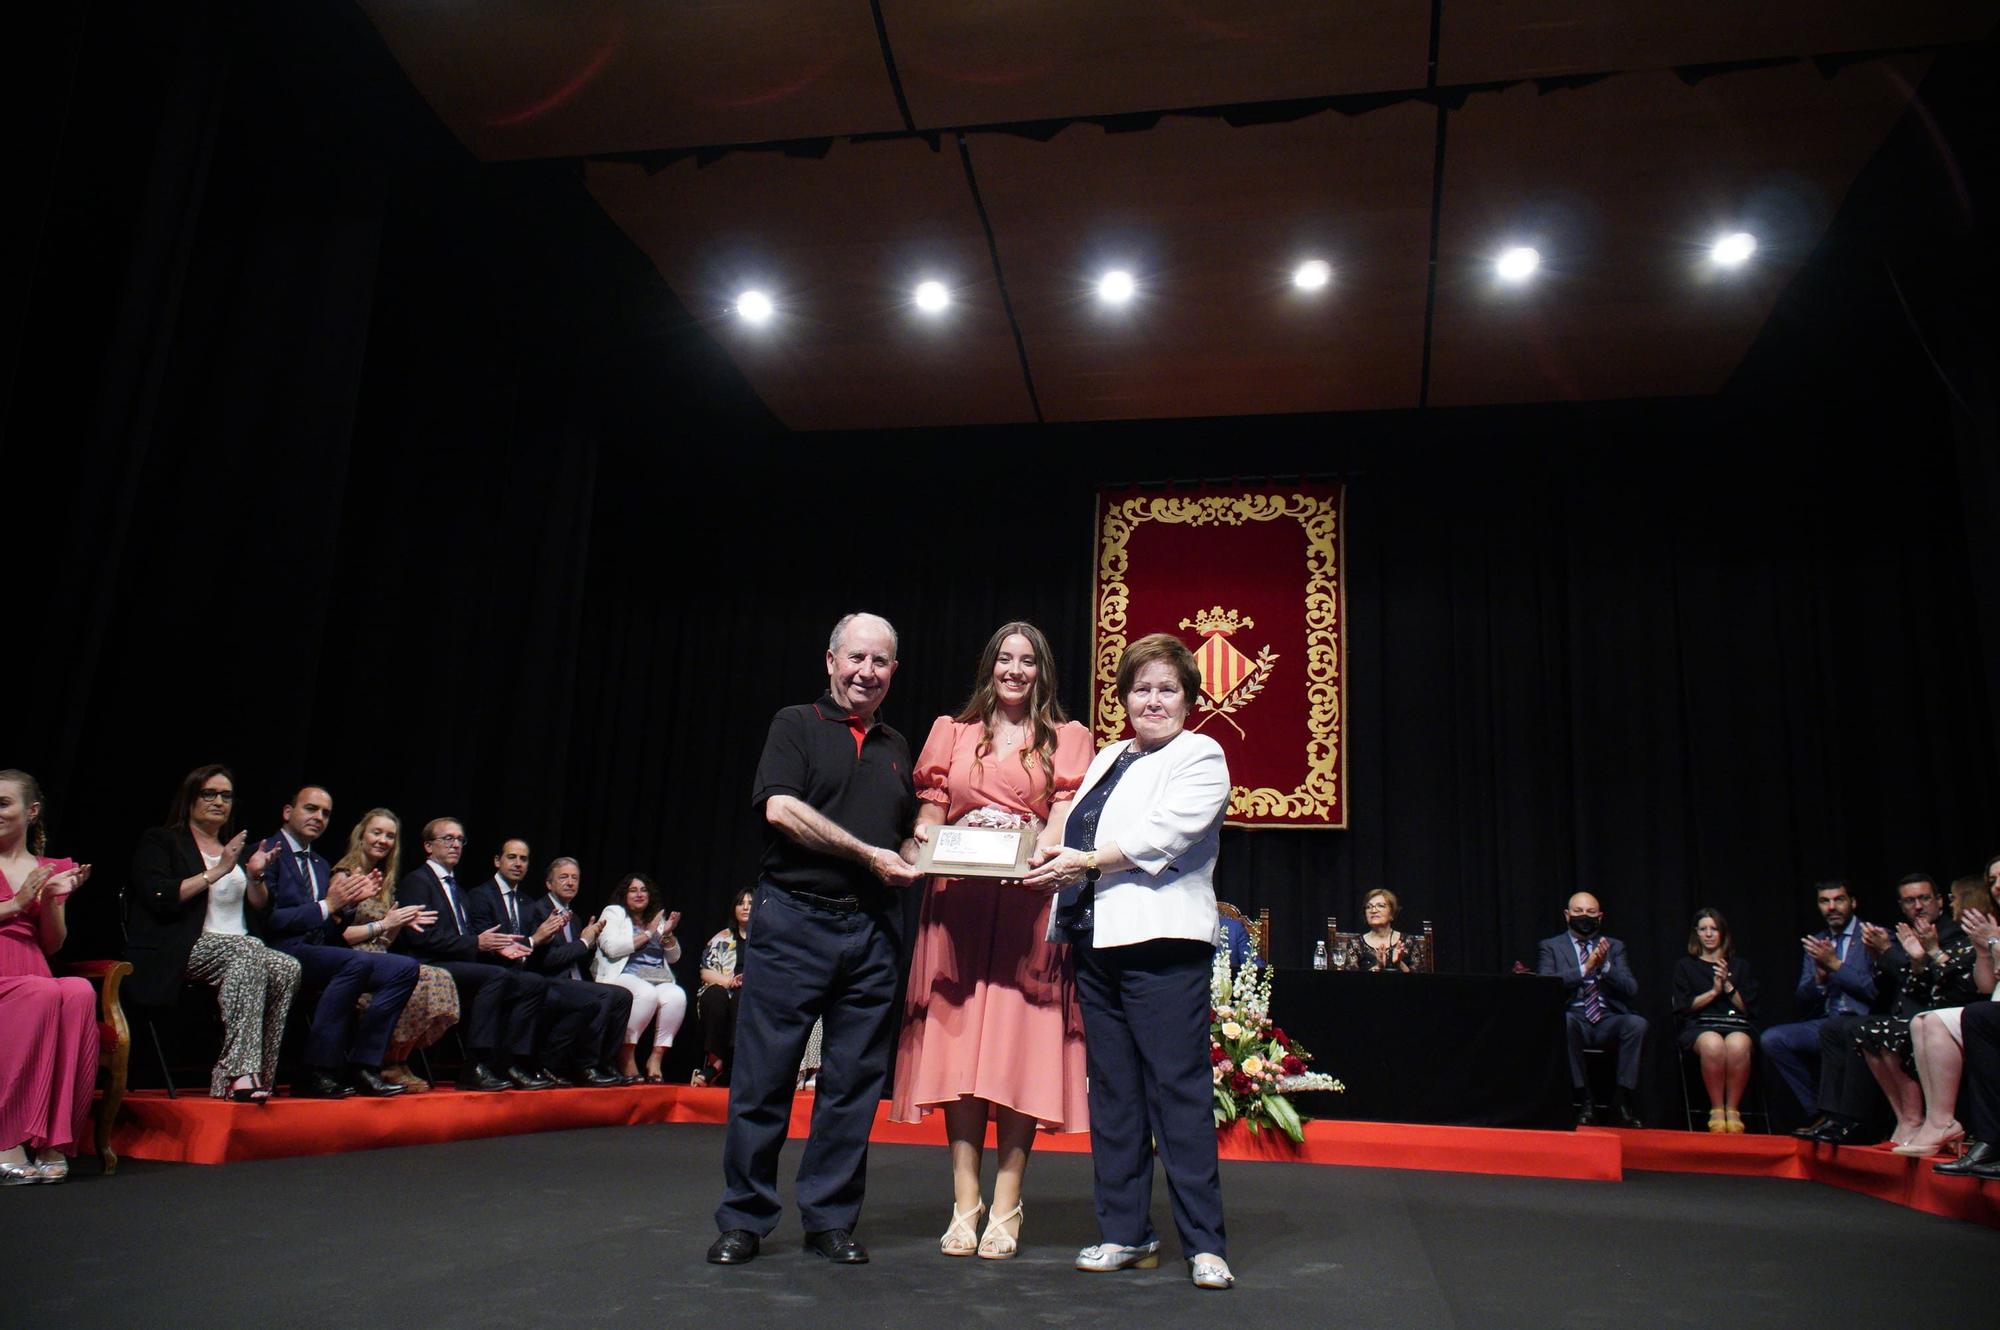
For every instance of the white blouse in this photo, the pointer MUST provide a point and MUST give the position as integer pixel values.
(225, 899)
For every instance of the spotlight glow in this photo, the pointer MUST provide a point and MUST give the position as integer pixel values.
(1734, 249)
(754, 306)
(1517, 263)
(932, 297)
(1312, 274)
(1116, 287)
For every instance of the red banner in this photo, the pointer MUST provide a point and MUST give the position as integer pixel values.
(1250, 579)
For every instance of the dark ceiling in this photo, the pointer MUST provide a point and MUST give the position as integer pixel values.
(1013, 151)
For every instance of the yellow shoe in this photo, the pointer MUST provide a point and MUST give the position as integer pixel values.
(1717, 1121)
(1735, 1121)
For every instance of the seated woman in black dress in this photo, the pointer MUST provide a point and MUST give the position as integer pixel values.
(1715, 1000)
(1940, 976)
(1382, 948)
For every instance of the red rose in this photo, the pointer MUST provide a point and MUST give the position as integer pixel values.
(1292, 1065)
(1279, 1035)
(1216, 1054)
(1239, 1082)
(1211, 1015)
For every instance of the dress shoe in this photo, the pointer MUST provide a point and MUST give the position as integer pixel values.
(1586, 1114)
(319, 1084)
(368, 1081)
(1837, 1131)
(523, 1079)
(1813, 1128)
(1621, 1105)
(733, 1248)
(1978, 1155)
(1210, 1271)
(479, 1076)
(838, 1246)
(560, 1081)
(599, 1076)
(400, 1074)
(1105, 1256)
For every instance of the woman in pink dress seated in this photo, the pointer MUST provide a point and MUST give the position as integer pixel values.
(48, 1026)
(990, 1026)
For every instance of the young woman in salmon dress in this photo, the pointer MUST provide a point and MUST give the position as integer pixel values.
(991, 1029)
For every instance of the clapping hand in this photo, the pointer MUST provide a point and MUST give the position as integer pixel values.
(1913, 942)
(550, 926)
(260, 858)
(495, 940)
(353, 888)
(590, 932)
(1822, 952)
(1721, 975)
(413, 915)
(60, 885)
(1979, 926)
(231, 853)
(1876, 938)
(1597, 955)
(1926, 932)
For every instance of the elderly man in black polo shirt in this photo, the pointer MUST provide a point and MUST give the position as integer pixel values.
(834, 790)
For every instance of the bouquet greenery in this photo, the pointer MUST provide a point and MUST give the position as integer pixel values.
(1254, 1063)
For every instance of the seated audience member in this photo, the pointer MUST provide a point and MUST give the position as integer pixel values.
(501, 1005)
(571, 1030)
(188, 915)
(374, 850)
(1715, 999)
(1382, 948)
(636, 950)
(1850, 1098)
(1941, 977)
(1600, 988)
(1836, 980)
(1976, 1053)
(309, 919)
(567, 956)
(721, 985)
(48, 1055)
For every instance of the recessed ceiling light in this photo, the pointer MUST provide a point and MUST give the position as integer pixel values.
(1517, 263)
(932, 297)
(1730, 250)
(1312, 274)
(754, 306)
(1116, 287)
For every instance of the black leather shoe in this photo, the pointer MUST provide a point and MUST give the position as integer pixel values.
(1837, 1131)
(1978, 1156)
(733, 1248)
(837, 1246)
(522, 1079)
(368, 1081)
(1586, 1114)
(1812, 1128)
(1622, 1107)
(479, 1076)
(599, 1076)
(557, 1079)
(318, 1084)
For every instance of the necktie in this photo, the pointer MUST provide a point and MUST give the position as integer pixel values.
(1593, 1001)
(306, 872)
(1838, 1003)
(513, 913)
(451, 894)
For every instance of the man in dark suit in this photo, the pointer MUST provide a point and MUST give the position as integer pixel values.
(568, 954)
(572, 1026)
(1836, 988)
(1600, 989)
(309, 920)
(501, 1005)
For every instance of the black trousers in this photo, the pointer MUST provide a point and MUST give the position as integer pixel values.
(500, 1007)
(1145, 1030)
(716, 1010)
(805, 962)
(336, 1036)
(1981, 1092)
(1846, 1087)
(571, 1030)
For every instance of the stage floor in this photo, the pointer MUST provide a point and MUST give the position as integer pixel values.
(607, 1227)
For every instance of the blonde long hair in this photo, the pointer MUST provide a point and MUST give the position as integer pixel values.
(1045, 712)
(356, 858)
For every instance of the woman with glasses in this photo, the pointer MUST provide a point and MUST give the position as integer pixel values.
(188, 917)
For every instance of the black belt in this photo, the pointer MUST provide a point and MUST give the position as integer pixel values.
(835, 904)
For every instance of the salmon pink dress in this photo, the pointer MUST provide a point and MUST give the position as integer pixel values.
(48, 1038)
(991, 1008)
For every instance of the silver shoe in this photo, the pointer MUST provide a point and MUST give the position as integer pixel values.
(1210, 1271)
(1111, 1256)
(56, 1170)
(19, 1175)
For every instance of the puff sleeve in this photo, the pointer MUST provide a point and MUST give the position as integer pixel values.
(1073, 753)
(932, 774)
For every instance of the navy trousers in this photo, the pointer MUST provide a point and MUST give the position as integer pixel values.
(1145, 1030)
(1846, 1086)
(1624, 1034)
(803, 962)
(575, 1017)
(1793, 1050)
(500, 1007)
(335, 1038)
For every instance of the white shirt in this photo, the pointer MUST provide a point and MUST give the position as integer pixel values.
(225, 899)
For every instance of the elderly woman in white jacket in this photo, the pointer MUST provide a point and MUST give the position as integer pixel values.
(636, 951)
(1133, 857)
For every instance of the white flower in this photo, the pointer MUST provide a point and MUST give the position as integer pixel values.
(1253, 1066)
(1231, 1030)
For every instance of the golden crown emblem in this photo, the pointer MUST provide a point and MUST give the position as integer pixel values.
(1218, 621)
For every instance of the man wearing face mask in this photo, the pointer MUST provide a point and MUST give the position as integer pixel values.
(1599, 987)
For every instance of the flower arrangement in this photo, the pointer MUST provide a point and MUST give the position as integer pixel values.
(1254, 1063)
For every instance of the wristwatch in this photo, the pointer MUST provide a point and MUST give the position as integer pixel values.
(1090, 873)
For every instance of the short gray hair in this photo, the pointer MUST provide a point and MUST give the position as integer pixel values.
(558, 862)
(840, 631)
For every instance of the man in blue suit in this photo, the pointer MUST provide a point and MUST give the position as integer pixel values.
(1836, 983)
(1600, 988)
(310, 920)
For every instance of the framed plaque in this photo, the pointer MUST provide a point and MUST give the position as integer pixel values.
(977, 851)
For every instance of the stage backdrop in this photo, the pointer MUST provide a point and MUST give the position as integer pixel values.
(1250, 578)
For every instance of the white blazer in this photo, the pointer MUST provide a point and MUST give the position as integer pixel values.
(1166, 815)
(614, 946)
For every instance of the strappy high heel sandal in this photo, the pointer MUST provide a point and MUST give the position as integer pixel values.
(998, 1244)
(961, 1236)
(1950, 1139)
(1733, 1121)
(1718, 1121)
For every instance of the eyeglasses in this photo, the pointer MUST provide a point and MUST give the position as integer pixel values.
(450, 840)
(218, 796)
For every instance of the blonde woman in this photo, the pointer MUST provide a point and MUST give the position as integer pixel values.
(375, 846)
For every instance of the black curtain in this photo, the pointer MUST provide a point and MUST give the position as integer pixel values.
(356, 461)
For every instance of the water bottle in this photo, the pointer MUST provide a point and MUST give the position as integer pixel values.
(1319, 955)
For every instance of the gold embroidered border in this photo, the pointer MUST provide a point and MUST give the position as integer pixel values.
(1318, 795)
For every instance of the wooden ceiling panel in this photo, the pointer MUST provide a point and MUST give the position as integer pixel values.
(1620, 186)
(840, 243)
(1211, 220)
(967, 62)
(525, 78)
(1481, 41)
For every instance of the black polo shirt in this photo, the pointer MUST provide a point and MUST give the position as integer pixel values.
(810, 755)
